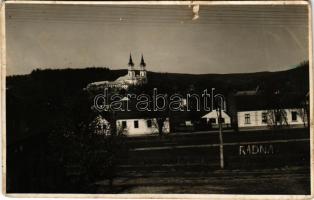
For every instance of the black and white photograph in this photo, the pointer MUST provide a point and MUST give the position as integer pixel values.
(157, 97)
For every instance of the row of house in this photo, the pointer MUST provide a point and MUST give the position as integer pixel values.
(246, 112)
(251, 109)
(241, 110)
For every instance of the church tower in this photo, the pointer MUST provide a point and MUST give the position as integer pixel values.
(131, 72)
(143, 73)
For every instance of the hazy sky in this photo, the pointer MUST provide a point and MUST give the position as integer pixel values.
(225, 39)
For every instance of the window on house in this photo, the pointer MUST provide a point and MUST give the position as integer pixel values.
(123, 124)
(136, 124)
(149, 123)
(264, 117)
(222, 120)
(294, 115)
(212, 120)
(247, 119)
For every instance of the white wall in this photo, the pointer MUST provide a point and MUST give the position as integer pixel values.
(256, 118)
(299, 120)
(142, 126)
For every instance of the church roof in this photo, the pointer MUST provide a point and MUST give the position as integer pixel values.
(142, 61)
(131, 61)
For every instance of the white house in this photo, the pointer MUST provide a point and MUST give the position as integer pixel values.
(141, 126)
(294, 117)
(270, 111)
(213, 116)
(133, 124)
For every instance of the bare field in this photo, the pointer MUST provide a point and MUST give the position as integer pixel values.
(256, 162)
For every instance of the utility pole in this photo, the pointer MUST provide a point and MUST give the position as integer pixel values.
(113, 123)
(221, 147)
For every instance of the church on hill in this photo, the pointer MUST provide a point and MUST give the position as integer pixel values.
(136, 75)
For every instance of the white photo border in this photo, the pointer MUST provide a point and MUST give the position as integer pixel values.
(149, 196)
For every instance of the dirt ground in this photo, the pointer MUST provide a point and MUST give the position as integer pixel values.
(289, 180)
(189, 164)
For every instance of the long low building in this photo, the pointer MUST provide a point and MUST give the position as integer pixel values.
(271, 117)
(134, 123)
(142, 126)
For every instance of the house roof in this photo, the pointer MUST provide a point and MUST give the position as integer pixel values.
(214, 114)
(266, 102)
(139, 114)
(254, 91)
